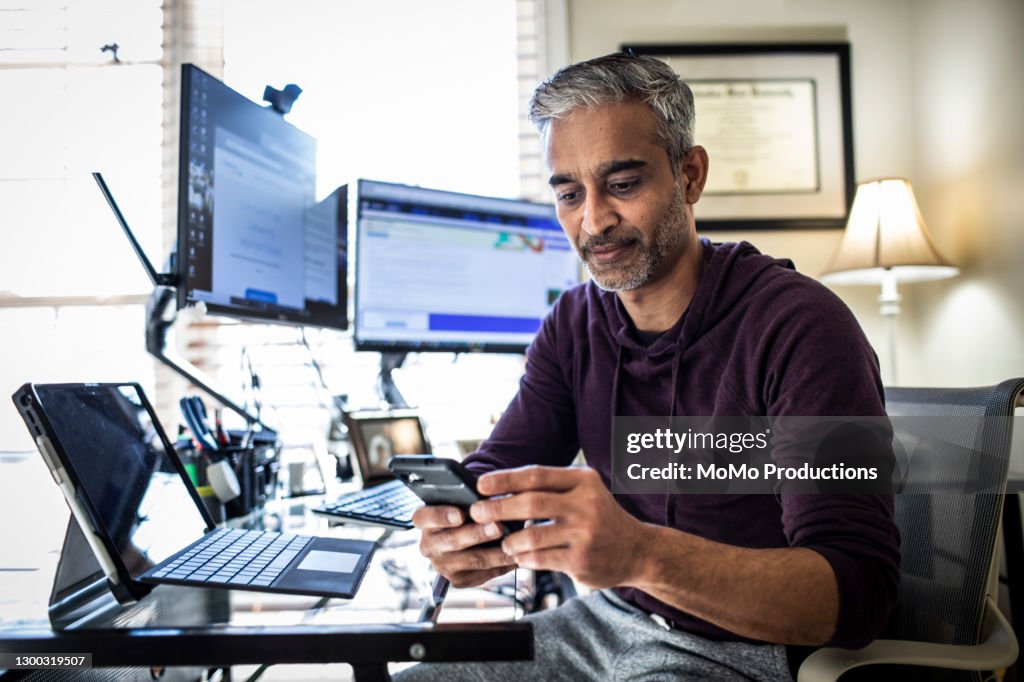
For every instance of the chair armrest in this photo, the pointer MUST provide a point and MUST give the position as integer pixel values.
(998, 650)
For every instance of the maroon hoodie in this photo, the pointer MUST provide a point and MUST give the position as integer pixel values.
(757, 339)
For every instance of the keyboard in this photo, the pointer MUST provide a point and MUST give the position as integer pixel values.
(390, 504)
(234, 557)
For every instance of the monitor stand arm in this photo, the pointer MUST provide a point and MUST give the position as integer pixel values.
(161, 311)
(386, 386)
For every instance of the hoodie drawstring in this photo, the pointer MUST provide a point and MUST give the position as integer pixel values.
(677, 360)
(615, 400)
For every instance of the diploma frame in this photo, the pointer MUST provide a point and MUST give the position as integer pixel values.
(816, 185)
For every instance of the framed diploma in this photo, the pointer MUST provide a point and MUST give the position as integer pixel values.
(775, 120)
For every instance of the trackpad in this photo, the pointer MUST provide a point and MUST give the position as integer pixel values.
(332, 562)
(332, 567)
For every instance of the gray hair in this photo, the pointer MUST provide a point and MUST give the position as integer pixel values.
(621, 77)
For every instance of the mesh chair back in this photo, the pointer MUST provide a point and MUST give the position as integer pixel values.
(948, 536)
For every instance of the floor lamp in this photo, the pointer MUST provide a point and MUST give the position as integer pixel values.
(887, 242)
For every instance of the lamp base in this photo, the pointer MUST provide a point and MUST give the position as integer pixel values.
(889, 306)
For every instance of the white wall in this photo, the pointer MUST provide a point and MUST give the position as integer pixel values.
(904, 52)
(969, 170)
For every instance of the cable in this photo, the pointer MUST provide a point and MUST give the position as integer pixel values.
(512, 592)
(404, 580)
(254, 386)
(313, 360)
(328, 404)
(515, 594)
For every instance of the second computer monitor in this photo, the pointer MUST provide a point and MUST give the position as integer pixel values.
(454, 272)
(252, 241)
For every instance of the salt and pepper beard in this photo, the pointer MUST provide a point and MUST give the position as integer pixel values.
(647, 258)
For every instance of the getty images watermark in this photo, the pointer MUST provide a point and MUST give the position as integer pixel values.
(774, 455)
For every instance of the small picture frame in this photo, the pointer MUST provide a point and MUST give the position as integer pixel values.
(776, 122)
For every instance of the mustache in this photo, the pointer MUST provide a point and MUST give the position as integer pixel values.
(613, 240)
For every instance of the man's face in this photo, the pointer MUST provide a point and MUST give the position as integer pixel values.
(617, 199)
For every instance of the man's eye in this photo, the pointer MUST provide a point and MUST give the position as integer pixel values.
(624, 186)
(567, 197)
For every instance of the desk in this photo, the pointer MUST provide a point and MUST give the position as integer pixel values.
(151, 634)
(213, 628)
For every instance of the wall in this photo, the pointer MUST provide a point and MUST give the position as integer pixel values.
(969, 161)
(903, 52)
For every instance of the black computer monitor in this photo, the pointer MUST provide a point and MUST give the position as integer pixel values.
(442, 271)
(252, 241)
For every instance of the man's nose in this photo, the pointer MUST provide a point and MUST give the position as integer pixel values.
(599, 215)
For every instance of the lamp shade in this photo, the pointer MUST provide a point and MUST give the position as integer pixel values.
(886, 236)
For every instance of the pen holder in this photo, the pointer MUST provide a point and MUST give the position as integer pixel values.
(195, 467)
(256, 467)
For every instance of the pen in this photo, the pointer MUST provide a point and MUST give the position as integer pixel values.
(222, 436)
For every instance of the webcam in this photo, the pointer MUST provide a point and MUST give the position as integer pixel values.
(281, 101)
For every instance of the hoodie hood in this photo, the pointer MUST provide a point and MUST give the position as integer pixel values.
(730, 273)
(731, 270)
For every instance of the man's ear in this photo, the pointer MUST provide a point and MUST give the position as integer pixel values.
(694, 173)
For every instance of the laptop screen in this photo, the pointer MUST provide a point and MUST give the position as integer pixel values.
(120, 464)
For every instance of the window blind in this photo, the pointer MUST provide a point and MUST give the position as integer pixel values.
(71, 291)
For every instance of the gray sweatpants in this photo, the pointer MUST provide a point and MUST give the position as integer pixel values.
(601, 637)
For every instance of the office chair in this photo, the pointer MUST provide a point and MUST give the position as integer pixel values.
(946, 616)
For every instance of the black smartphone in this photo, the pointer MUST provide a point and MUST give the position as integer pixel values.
(437, 480)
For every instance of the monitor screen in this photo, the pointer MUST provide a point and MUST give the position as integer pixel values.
(252, 240)
(453, 272)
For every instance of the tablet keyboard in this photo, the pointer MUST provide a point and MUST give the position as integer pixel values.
(235, 557)
(390, 504)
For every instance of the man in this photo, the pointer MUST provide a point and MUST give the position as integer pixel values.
(701, 586)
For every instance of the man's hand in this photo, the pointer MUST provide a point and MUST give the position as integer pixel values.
(587, 535)
(448, 542)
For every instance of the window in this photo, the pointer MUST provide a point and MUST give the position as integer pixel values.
(71, 291)
(401, 90)
(413, 92)
(395, 90)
